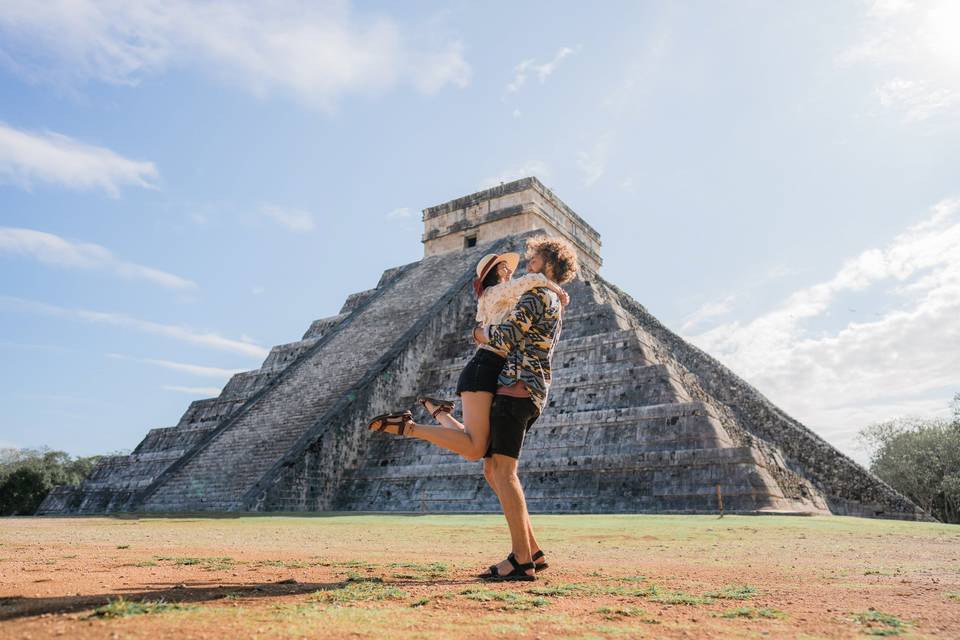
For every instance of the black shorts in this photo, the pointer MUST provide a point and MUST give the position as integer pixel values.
(481, 373)
(510, 419)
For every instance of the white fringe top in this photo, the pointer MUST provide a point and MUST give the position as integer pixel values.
(496, 302)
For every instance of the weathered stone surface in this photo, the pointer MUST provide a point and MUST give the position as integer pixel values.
(637, 420)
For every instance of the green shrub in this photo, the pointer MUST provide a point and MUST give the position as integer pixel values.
(28, 475)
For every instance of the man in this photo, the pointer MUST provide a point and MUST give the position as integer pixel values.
(529, 335)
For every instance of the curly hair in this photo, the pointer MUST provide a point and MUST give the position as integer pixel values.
(558, 253)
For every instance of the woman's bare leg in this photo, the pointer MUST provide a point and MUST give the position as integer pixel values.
(469, 438)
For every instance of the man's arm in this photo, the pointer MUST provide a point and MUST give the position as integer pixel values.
(505, 336)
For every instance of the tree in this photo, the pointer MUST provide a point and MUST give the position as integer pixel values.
(28, 475)
(920, 458)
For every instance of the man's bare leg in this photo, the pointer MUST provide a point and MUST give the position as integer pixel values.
(489, 475)
(514, 504)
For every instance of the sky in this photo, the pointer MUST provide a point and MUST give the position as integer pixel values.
(185, 184)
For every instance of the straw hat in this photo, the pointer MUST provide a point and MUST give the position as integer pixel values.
(491, 260)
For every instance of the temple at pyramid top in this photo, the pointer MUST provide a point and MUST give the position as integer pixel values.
(507, 210)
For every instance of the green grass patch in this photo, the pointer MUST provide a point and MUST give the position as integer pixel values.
(619, 613)
(733, 592)
(752, 613)
(676, 597)
(512, 600)
(361, 591)
(557, 590)
(582, 589)
(291, 564)
(421, 567)
(121, 608)
(419, 602)
(356, 564)
(878, 623)
(222, 563)
(953, 596)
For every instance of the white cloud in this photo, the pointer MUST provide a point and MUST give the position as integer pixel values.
(27, 158)
(707, 311)
(211, 392)
(193, 369)
(915, 100)
(293, 219)
(53, 250)
(177, 332)
(542, 71)
(316, 52)
(536, 168)
(916, 48)
(593, 162)
(257, 290)
(399, 214)
(902, 360)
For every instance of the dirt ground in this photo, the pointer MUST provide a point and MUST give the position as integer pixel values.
(396, 576)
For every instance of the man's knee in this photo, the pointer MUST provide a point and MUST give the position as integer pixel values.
(488, 471)
(503, 467)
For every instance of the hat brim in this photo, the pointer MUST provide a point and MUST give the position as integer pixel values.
(511, 260)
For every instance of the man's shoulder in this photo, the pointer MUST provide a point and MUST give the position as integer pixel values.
(542, 297)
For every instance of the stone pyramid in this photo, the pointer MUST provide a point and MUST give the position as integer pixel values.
(638, 420)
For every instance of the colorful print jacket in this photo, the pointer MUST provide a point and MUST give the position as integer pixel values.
(529, 335)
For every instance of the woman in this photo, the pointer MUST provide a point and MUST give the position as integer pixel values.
(497, 295)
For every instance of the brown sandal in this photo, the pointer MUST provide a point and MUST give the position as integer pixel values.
(442, 406)
(400, 420)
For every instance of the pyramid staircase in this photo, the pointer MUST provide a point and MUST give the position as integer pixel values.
(621, 433)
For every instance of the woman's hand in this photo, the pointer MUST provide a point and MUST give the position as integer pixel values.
(564, 297)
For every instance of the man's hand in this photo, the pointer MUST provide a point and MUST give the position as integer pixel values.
(479, 336)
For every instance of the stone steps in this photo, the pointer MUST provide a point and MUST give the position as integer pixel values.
(217, 476)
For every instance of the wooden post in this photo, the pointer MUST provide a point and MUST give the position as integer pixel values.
(720, 499)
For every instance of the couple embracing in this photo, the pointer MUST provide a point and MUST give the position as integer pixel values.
(503, 389)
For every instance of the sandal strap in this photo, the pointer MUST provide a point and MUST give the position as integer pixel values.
(537, 555)
(513, 561)
(439, 410)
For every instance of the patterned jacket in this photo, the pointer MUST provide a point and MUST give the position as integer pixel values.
(529, 335)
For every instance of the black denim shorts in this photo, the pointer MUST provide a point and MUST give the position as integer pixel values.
(510, 419)
(481, 373)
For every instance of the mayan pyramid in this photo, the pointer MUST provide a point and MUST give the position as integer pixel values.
(638, 420)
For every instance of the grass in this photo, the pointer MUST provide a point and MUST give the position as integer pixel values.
(121, 608)
(618, 613)
(580, 589)
(954, 596)
(291, 564)
(512, 600)
(419, 570)
(222, 563)
(733, 592)
(677, 597)
(361, 591)
(752, 613)
(878, 623)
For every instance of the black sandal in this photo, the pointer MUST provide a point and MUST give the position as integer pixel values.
(540, 566)
(400, 420)
(442, 406)
(518, 574)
